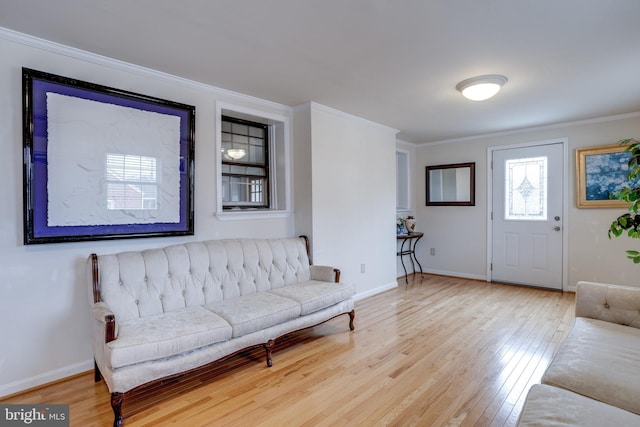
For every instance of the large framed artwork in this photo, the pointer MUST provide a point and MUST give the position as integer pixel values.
(104, 163)
(601, 171)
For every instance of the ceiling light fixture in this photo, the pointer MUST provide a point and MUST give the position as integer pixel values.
(236, 153)
(481, 87)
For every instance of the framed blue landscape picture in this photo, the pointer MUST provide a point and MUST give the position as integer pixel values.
(600, 172)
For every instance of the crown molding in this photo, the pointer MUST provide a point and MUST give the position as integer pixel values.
(535, 129)
(319, 107)
(116, 64)
(406, 144)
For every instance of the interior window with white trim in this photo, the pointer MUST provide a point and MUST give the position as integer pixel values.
(245, 164)
(253, 163)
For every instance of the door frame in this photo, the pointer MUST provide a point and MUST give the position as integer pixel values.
(565, 200)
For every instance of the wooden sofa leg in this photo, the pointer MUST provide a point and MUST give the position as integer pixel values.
(352, 316)
(116, 404)
(268, 347)
(97, 375)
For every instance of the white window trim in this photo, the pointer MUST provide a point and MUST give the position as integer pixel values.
(279, 212)
(407, 173)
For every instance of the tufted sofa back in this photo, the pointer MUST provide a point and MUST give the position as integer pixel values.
(139, 284)
(611, 303)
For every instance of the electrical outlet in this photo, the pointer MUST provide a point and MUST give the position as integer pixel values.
(362, 268)
(432, 251)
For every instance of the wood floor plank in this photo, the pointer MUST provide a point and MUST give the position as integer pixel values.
(439, 351)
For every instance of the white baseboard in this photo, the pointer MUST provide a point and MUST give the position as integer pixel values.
(375, 291)
(456, 274)
(44, 378)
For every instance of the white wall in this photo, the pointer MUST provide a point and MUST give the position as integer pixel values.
(352, 197)
(459, 234)
(303, 184)
(44, 298)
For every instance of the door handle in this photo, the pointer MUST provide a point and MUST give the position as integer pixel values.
(556, 228)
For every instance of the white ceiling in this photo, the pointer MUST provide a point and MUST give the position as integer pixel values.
(395, 62)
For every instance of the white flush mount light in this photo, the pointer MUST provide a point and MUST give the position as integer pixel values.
(481, 87)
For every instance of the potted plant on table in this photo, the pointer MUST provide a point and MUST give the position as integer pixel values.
(400, 229)
(629, 221)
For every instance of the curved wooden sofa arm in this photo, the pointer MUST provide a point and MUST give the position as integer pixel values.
(104, 320)
(324, 273)
(320, 272)
(103, 314)
(101, 311)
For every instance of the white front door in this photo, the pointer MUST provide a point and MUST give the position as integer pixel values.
(527, 209)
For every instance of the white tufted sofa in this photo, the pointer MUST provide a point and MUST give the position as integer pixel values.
(594, 379)
(160, 313)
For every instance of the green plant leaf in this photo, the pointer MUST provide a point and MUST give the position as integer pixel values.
(630, 193)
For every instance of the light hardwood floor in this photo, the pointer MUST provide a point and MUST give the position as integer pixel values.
(439, 351)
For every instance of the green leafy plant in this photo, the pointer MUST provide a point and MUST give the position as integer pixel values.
(629, 222)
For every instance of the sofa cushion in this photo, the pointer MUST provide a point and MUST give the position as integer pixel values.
(600, 360)
(164, 335)
(314, 295)
(554, 407)
(253, 312)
